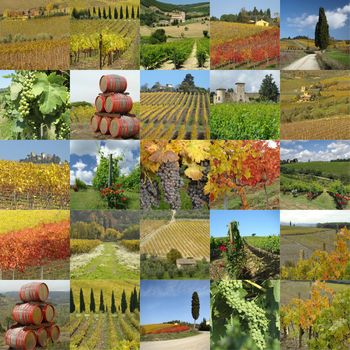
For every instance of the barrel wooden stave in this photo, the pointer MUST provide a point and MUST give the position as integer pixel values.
(42, 336)
(48, 311)
(54, 332)
(27, 314)
(118, 103)
(113, 83)
(104, 125)
(124, 127)
(34, 291)
(100, 103)
(95, 123)
(20, 339)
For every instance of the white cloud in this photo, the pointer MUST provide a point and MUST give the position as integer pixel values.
(336, 19)
(313, 216)
(80, 173)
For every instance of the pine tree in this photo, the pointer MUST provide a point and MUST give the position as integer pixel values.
(82, 302)
(99, 13)
(113, 308)
(72, 305)
(102, 305)
(121, 14)
(127, 12)
(195, 308)
(268, 89)
(92, 301)
(123, 303)
(132, 12)
(115, 13)
(109, 12)
(322, 31)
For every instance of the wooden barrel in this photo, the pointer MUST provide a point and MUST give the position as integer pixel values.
(27, 314)
(124, 127)
(35, 291)
(113, 83)
(53, 332)
(100, 103)
(41, 336)
(104, 125)
(48, 311)
(118, 103)
(20, 339)
(95, 123)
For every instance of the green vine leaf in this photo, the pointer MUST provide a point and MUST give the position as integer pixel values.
(15, 89)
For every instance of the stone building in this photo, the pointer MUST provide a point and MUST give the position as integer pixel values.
(41, 158)
(238, 95)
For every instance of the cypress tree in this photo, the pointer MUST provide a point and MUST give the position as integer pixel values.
(121, 12)
(195, 308)
(94, 10)
(127, 12)
(132, 12)
(89, 13)
(82, 302)
(322, 30)
(115, 13)
(268, 90)
(131, 302)
(123, 304)
(113, 308)
(106, 308)
(138, 302)
(104, 13)
(102, 305)
(109, 13)
(74, 13)
(138, 12)
(72, 305)
(99, 13)
(92, 301)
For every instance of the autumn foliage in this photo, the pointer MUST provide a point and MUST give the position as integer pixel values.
(34, 246)
(171, 329)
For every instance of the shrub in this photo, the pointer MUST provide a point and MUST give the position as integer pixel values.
(172, 255)
(80, 185)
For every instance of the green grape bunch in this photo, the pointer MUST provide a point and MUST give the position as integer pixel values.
(247, 310)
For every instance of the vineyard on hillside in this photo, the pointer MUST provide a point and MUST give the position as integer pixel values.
(253, 121)
(105, 315)
(34, 186)
(242, 171)
(36, 246)
(175, 115)
(119, 40)
(25, 45)
(244, 46)
(319, 320)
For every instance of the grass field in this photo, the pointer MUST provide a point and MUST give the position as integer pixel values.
(267, 243)
(248, 121)
(324, 117)
(323, 201)
(91, 199)
(15, 220)
(189, 237)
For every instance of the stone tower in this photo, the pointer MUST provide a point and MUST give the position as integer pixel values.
(220, 96)
(240, 92)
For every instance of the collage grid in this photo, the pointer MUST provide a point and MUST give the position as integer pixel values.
(174, 175)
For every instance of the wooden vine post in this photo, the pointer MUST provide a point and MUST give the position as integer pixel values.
(100, 46)
(110, 172)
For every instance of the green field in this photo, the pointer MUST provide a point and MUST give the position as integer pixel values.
(336, 59)
(268, 243)
(301, 230)
(245, 121)
(91, 199)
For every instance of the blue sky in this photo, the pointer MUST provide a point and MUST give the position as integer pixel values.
(315, 150)
(299, 17)
(261, 222)
(163, 300)
(5, 82)
(201, 78)
(221, 7)
(16, 150)
(84, 157)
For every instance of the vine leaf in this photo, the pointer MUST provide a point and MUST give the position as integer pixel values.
(51, 91)
(15, 89)
(194, 172)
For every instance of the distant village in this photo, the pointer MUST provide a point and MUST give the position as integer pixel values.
(41, 158)
(51, 9)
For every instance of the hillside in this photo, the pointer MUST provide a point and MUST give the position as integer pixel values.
(202, 7)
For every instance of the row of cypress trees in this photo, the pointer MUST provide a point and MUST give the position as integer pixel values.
(134, 302)
(107, 14)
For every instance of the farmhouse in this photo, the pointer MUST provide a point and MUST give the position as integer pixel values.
(238, 95)
(262, 23)
(178, 16)
(163, 22)
(184, 263)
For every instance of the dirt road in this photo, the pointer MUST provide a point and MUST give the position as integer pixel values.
(307, 62)
(198, 342)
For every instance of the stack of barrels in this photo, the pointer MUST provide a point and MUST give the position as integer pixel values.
(113, 105)
(34, 319)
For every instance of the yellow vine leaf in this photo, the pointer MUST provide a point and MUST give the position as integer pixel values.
(194, 172)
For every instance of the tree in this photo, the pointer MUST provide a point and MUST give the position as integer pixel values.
(187, 84)
(82, 302)
(268, 13)
(113, 308)
(75, 13)
(115, 13)
(121, 12)
(92, 301)
(94, 11)
(268, 89)
(132, 12)
(127, 12)
(322, 30)
(138, 12)
(100, 180)
(102, 305)
(104, 13)
(109, 12)
(195, 308)
(72, 305)
(123, 303)
(131, 303)
(173, 255)
(99, 13)
(158, 36)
